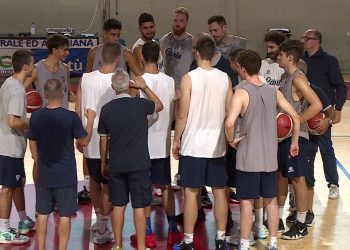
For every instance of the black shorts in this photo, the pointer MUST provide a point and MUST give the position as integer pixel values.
(231, 166)
(136, 184)
(94, 166)
(11, 171)
(198, 172)
(65, 198)
(160, 171)
(297, 166)
(252, 185)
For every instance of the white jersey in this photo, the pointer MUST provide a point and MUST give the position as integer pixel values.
(160, 64)
(204, 135)
(96, 91)
(160, 123)
(271, 71)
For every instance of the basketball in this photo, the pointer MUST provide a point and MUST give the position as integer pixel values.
(314, 122)
(284, 125)
(34, 101)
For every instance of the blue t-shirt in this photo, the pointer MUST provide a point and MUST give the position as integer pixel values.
(124, 120)
(54, 131)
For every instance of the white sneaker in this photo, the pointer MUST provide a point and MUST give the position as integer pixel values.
(259, 232)
(103, 238)
(333, 192)
(174, 183)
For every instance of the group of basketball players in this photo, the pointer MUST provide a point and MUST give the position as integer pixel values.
(224, 99)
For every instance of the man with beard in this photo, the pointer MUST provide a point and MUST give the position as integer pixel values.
(147, 29)
(176, 49)
(225, 43)
(270, 69)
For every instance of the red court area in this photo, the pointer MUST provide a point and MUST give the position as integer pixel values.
(80, 234)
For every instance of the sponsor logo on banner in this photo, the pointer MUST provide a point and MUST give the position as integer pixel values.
(76, 60)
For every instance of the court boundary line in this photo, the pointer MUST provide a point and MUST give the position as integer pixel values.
(347, 174)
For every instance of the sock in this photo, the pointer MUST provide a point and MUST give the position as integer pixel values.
(188, 238)
(87, 182)
(4, 225)
(22, 215)
(148, 226)
(280, 211)
(273, 241)
(291, 189)
(265, 214)
(220, 235)
(301, 216)
(244, 244)
(172, 223)
(97, 212)
(102, 223)
(258, 221)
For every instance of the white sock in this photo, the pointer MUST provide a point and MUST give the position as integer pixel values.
(273, 241)
(280, 211)
(4, 225)
(102, 223)
(244, 244)
(301, 216)
(87, 182)
(291, 189)
(22, 215)
(188, 238)
(265, 214)
(258, 221)
(220, 235)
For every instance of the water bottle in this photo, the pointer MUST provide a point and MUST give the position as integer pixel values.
(32, 29)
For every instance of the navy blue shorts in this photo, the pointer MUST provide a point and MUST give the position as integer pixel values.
(231, 166)
(252, 185)
(11, 171)
(94, 166)
(136, 184)
(198, 172)
(65, 198)
(160, 171)
(297, 166)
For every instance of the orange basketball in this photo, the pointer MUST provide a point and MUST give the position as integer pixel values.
(34, 101)
(314, 122)
(284, 126)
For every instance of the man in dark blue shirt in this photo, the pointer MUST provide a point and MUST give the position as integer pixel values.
(51, 135)
(324, 72)
(123, 129)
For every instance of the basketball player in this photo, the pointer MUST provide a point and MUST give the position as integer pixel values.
(159, 141)
(13, 143)
(199, 144)
(111, 33)
(272, 73)
(147, 30)
(126, 145)
(176, 48)
(255, 103)
(51, 132)
(296, 89)
(270, 69)
(225, 43)
(53, 67)
(96, 91)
